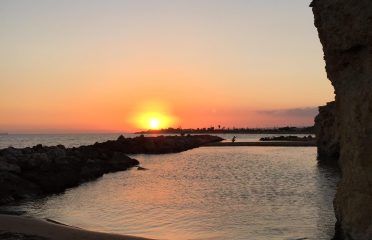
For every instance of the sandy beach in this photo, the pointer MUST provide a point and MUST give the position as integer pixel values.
(27, 228)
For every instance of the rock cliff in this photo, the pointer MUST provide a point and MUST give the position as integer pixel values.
(345, 31)
(327, 137)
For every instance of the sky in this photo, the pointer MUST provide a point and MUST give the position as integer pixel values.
(110, 66)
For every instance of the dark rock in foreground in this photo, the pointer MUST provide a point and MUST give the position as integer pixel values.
(41, 170)
(19, 236)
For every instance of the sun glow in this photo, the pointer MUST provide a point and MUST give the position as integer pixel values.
(154, 123)
(153, 116)
(153, 120)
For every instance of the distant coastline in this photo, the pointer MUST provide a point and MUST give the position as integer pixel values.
(223, 130)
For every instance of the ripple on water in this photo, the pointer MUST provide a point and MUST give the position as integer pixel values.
(206, 193)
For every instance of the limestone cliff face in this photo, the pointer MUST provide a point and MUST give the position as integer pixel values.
(327, 134)
(345, 31)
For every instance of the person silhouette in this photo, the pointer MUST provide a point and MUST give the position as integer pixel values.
(233, 139)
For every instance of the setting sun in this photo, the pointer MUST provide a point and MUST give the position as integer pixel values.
(154, 120)
(152, 115)
(154, 123)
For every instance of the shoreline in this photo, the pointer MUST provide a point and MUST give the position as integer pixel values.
(22, 227)
(263, 144)
(222, 130)
(41, 170)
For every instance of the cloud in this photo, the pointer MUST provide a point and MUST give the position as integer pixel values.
(306, 112)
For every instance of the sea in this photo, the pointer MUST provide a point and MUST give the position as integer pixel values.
(236, 193)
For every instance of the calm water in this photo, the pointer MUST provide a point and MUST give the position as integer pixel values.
(69, 140)
(205, 193)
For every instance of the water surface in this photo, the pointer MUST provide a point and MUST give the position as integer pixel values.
(206, 193)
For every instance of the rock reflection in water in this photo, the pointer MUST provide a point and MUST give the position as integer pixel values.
(206, 193)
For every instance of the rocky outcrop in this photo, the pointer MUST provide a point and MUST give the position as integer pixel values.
(40, 170)
(327, 134)
(157, 145)
(345, 31)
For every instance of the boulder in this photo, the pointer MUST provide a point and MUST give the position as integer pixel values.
(56, 152)
(9, 167)
(13, 187)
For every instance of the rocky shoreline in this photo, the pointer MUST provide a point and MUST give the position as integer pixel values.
(157, 145)
(39, 170)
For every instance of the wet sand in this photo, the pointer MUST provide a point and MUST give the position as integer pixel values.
(27, 228)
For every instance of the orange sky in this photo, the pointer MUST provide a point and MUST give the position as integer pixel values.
(93, 66)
